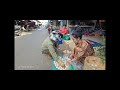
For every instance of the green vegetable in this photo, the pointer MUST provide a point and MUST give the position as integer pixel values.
(101, 53)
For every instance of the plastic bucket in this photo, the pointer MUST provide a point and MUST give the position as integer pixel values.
(60, 41)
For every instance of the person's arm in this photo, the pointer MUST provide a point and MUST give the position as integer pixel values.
(80, 54)
(67, 31)
(55, 56)
(81, 51)
(52, 52)
(60, 30)
(72, 54)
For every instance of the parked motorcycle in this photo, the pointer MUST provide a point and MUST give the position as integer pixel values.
(17, 28)
(29, 25)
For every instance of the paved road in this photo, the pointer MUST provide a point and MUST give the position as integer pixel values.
(28, 54)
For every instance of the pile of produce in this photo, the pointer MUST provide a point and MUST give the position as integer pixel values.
(66, 52)
(93, 63)
(60, 65)
(100, 52)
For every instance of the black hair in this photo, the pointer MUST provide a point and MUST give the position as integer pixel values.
(77, 33)
(64, 25)
(55, 43)
(60, 35)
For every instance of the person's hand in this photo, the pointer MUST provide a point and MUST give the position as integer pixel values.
(68, 62)
(61, 63)
(58, 48)
(71, 56)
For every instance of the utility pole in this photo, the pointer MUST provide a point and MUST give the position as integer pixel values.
(67, 24)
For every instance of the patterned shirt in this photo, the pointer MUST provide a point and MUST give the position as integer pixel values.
(83, 50)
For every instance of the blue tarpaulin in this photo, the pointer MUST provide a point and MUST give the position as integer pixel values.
(95, 44)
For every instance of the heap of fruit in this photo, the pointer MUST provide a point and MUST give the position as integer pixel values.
(61, 64)
(93, 63)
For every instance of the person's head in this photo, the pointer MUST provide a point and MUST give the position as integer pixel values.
(54, 36)
(64, 26)
(76, 36)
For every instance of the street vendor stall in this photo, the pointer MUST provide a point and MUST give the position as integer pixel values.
(67, 66)
(63, 54)
(65, 50)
